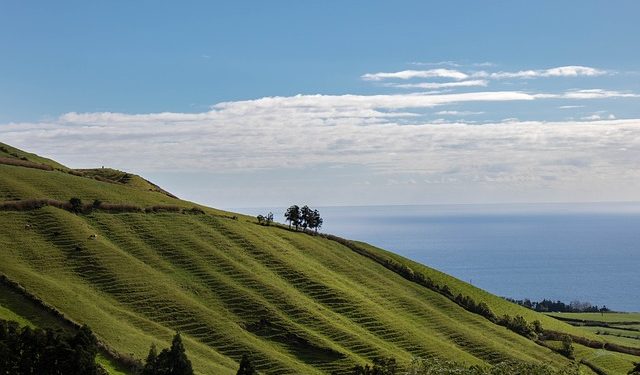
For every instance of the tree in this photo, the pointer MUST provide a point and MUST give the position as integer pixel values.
(76, 204)
(96, 204)
(317, 220)
(265, 220)
(567, 346)
(292, 215)
(36, 351)
(151, 365)
(306, 217)
(85, 347)
(172, 361)
(246, 368)
(635, 370)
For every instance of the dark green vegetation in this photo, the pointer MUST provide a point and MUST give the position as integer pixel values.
(171, 361)
(617, 328)
(27, 351)
(295, 302)
(303, 217)
(434, 366)
(547, 305)
(246, 367)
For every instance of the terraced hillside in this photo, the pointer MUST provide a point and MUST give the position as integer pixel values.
(299, 304)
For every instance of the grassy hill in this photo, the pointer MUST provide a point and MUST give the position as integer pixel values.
(299, 304)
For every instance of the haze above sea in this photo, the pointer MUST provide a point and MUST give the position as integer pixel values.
(586, 252)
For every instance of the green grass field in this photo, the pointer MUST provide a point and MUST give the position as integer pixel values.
(608, 317)
(298, 304)
(618, 328)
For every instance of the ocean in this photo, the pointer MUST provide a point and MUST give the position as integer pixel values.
(566, 252)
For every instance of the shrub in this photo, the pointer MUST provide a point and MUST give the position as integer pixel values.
(25, 163)
(162, 208)
(567, 347)
(193, 211)
(76, 204)
(246, 368)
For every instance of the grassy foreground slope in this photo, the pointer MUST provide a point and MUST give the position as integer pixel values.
(296, 303)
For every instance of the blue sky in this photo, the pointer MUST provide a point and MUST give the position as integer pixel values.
(333, 103)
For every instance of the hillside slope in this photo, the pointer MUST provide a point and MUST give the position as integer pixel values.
(297, 303)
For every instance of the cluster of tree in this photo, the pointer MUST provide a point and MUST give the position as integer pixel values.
(557, 306)
(174, 361)
(381, 366)
(420, 366)
(265, 219)
(170, 361)
(303, 217)
(519, 325)
(46, 352)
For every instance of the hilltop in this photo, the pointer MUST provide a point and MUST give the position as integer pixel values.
(136, 264)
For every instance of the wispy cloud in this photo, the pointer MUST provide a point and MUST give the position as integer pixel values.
(570, 106)
(440, 85)
(561, 71)
(600, 115)
(588, 94)
(457, 74)
(438, 63)
(409, 74)
(458, 113)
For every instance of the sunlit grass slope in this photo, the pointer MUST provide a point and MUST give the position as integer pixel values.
(299, 304)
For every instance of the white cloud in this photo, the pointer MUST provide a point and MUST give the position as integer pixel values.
(599, 115)
(441, 85)
(307, 130)
(588, 94)
(439, 63)
(361, 105)
(570, 106)
(458, 113)
(561, 71)
(409, 74)
(593, 117)
(385, 135)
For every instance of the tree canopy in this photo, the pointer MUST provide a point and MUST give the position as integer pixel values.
(171, 361)
(46, 352)
(304, 217)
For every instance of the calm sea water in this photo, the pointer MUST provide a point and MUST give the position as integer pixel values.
(560, 252)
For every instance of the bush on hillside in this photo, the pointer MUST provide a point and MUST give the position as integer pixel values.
(24, 163)
(432, 366)
(76, 205)
(381, 366)
(567, 347)
(162, 208)
(246, 368)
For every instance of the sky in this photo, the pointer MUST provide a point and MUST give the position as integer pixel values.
(251, 104)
